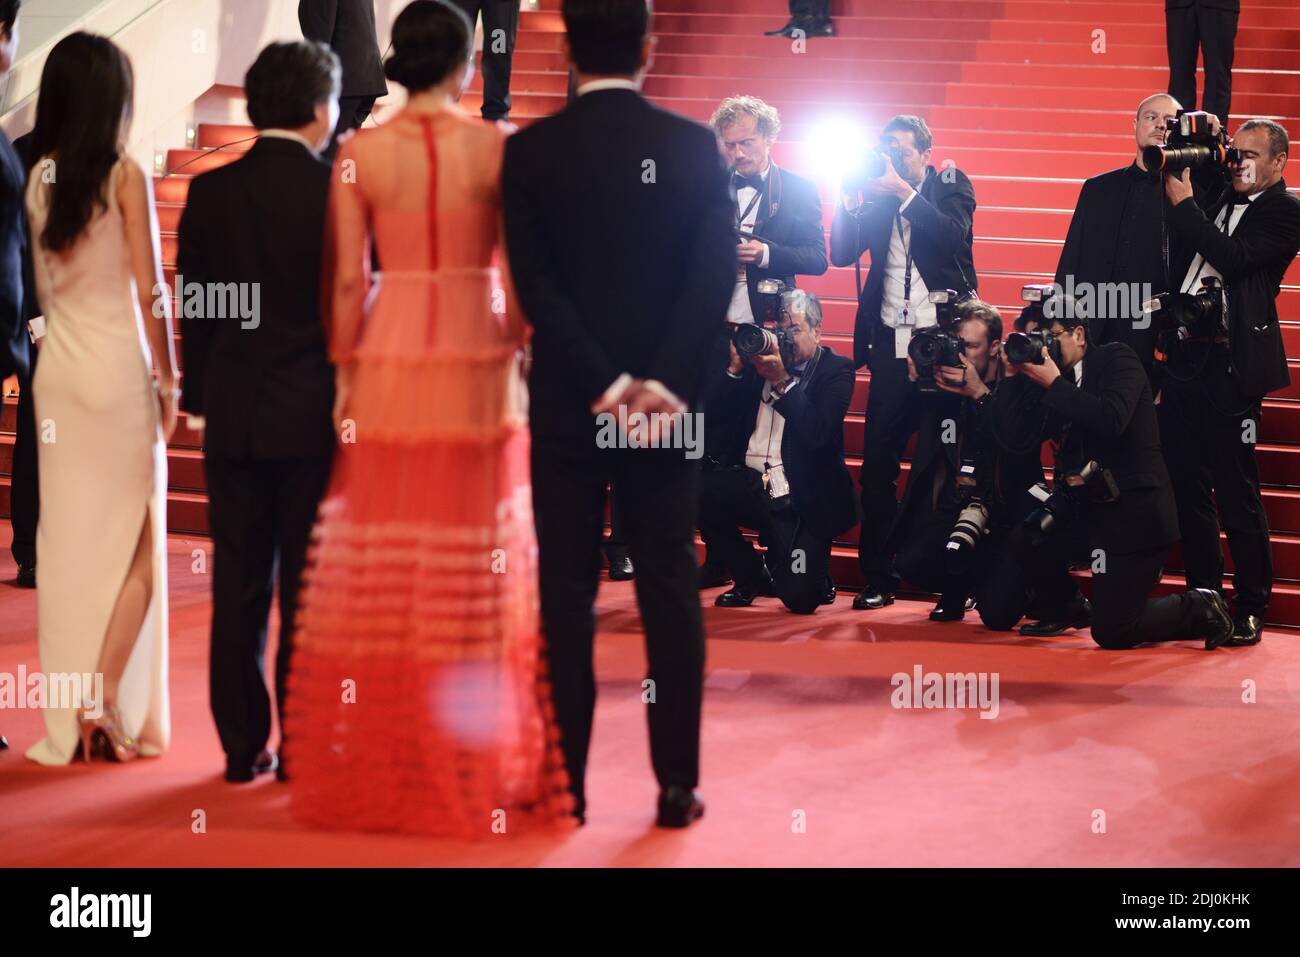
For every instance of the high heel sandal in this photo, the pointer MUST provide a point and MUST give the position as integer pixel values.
(108, 728)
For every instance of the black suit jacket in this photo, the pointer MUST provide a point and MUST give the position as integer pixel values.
(812, 443)
(348, 27)
(1252, 260)
(621, 236)
(266, 391)
(790, 222)
(1111, 419)
(942, 242)
(14, 341)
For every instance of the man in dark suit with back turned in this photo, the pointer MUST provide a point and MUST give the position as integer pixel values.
(621, 239)
(917, 224)
(263, 386)
(1212, 26)
(779, 231)
(1215, 383)
(348, 28)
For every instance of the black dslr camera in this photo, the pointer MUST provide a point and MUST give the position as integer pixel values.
(1043, 304)
(1190, 145)
(873, 167)
(1190, 315)
(1065, 502)
(766, 334)
(937, 345)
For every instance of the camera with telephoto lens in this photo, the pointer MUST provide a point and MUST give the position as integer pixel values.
(1066, 501)
(937, 345)
(872, 166)
(1043, 305)
(971, 526)
(1190, 315)
(766, 334)
(1190, 145)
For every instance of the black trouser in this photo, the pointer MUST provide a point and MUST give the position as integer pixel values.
(261, 514)
(24, 489)
(923, 558)
(891, 420)
(616, 544)
(798, 559)
(813, 9)
(500, 25)
(1215, 32)
(658, 492)
(1123, 613)
(353, 111)
(1204, 425)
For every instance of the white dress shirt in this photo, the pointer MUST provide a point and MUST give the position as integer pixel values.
(764, 447)
(741, 310)
(920, 310)
(1199, 268)
(591, 86)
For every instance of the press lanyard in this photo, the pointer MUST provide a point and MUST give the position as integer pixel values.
(758, 194)
(907, 267)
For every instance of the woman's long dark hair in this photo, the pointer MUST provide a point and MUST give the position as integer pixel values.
(83, 106)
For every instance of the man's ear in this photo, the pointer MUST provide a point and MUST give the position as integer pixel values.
(566, 50)
(648, 51)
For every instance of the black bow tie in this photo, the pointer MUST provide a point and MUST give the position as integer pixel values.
(740, 181)
(1239, 199)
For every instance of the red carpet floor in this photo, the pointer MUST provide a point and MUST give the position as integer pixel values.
(798, 727)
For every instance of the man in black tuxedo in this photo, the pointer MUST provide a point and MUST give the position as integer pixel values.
(261, 386)
(781, 470)
(348, 28)
(1211, 25)
(779, 232)
(1216, 379)
(622, 246)
(500, 27)
(917, 224)
(1094, 402)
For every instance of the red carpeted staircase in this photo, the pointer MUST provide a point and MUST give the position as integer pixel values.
(1029, 97)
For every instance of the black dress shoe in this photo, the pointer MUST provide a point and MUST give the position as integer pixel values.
(872, 598)
(4, 745)
(1214, 620)
(829, 597)
(239, 773)
(620, 567)
(713, 576)
(26, 575)
(796, 23)
(819, 28)
(948, 612)
(1247, 630)
(1079, 616)
(740, 596)
(678, 807)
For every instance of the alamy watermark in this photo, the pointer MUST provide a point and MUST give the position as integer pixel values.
(213, 300)
(651, 430)
(933, 689)
(53, 690)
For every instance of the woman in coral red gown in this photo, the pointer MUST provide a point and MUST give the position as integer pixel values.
(417, 699)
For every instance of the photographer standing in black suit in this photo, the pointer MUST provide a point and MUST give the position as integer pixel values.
(917, 224)
(1210, 25)
(781, 469)
(1217, 376)
(1110, 506)
(348, 28)
(500, 28)
(261, 390)
(810, 18)
(779, 233)
(1117, 239)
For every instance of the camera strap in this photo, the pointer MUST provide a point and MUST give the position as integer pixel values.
(742, 216)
